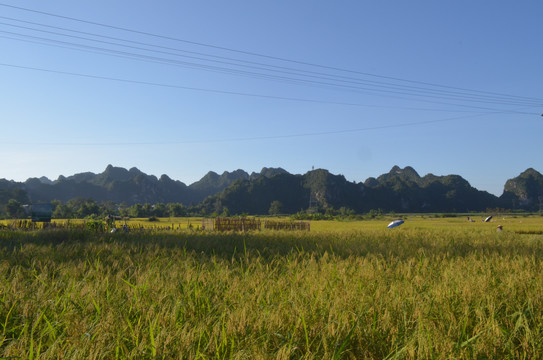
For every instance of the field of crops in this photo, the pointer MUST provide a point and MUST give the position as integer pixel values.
(431, 288)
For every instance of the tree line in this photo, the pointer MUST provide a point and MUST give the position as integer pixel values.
(79, 208)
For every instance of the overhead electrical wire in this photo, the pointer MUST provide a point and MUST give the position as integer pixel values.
(250, 53)
(339, 79)
(233, 71)
(252, 138)
(148, 83)
(261, 66)
(400, 90)
(472, 93)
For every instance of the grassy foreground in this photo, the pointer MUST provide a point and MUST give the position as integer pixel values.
(404, 293)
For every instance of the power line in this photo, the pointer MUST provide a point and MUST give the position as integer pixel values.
(425, 93)
(254, 138)
(147, 83)
(263, 55)
(412, 91)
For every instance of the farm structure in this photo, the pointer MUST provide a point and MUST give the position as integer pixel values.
(286, 225)
(248, 224)
(41, 212)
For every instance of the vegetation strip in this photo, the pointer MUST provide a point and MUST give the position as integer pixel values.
(403, 293)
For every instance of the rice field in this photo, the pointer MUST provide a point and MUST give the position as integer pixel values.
(433, 288)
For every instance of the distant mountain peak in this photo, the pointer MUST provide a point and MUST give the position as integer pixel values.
(110, 169)
(371, 182)
(134, 170)
(164, 177)
(111, 174)
(45, 180)
(267, 172)
(212, 182)
(407, 171)
(525, 190)
(405, 174)
(211, 175)
(531, 172)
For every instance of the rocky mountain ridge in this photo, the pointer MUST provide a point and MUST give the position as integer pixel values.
(401, 190)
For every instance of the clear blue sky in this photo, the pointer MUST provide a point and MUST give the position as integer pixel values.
(355, 87)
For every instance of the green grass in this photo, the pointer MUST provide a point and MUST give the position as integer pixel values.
(419, 291)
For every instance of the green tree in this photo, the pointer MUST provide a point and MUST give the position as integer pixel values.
(147, 210)
(81, 207)
(62, 211)
(55, 203)
(124, 209)
(159, 210)
(109, 208)
(88, 208)
(275, 207)
(177, 210)
(217, 206)
(14, 209)
(136, 211)
(225, 212)
(345, 211)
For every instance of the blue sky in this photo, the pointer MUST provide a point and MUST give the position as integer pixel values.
(355, 87)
